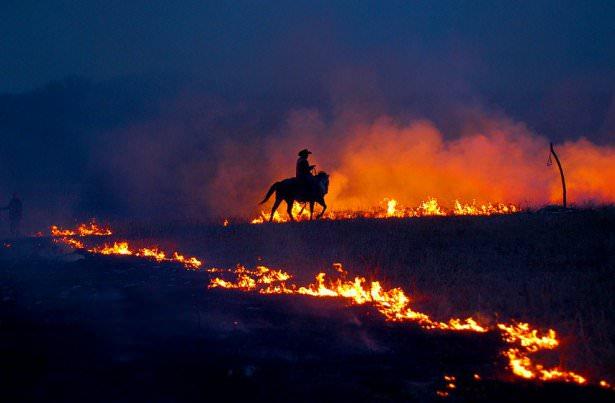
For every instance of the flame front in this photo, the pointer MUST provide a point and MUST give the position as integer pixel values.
(64, 236)
(84, 229)
(390, 208)
(394, 304)
(123, 248)
(75, 243)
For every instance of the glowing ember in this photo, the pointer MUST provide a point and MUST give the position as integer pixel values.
(75, 243)
(190, 262)
(249, 279)
(394, 305)
(390, 208)
(89, 229)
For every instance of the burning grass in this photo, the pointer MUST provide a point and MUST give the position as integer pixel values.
(395, 305)
(524, 342)
(66, 237)
(390, 208)
(84, 229)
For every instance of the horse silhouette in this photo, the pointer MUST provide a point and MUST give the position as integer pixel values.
(292, 189)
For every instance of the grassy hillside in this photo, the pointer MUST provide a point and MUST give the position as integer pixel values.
(553, 270)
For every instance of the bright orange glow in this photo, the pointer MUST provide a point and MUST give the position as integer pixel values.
(153, 253)
(492, 160)
(91, 228)
(394, 305)
(75, 243)
(118, 248)
(190, 262)
(390, 208)
(123, 248)
(487, 159)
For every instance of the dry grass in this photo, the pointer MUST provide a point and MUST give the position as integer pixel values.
(553, 270)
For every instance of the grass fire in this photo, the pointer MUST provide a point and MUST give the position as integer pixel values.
(522, 345)
(379, 314)
(389, 208)
(307, 201)
(394, 305)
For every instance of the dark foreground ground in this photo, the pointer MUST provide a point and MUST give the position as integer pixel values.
(121, 329)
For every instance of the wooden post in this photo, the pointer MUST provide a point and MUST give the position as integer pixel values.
(561, 172)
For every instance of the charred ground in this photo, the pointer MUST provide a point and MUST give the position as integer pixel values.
(124, 329)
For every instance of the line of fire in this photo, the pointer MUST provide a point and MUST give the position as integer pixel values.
(523, 345)
(521, 352)
(310, 201)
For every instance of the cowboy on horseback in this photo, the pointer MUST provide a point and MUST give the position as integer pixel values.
(304, 188)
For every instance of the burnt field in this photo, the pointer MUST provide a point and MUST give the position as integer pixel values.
(79, 326)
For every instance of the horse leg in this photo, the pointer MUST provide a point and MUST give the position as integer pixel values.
(276, 204)
(324, 207)
(311, 209)
(289, 209)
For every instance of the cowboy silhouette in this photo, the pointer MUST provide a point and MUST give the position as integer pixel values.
(304, 188)
(303, 171)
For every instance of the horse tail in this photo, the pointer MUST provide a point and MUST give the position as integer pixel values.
(272, 189)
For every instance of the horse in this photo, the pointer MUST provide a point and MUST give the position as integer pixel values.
(290, 190)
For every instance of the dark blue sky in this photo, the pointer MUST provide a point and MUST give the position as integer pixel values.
(555, 56)
(509, 45)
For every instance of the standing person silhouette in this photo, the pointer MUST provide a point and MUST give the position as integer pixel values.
(15, 208)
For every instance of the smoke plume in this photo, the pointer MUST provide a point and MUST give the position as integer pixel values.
(490, 160)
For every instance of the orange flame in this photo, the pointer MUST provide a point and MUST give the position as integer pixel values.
(89, 229)
(75, 243)
(123, 248)
(394, 305)
(390, 208)
(118, 248)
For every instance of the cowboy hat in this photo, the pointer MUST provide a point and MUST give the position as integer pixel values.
(305, 151)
